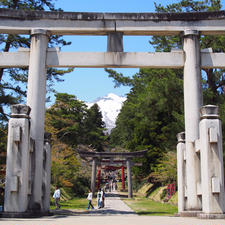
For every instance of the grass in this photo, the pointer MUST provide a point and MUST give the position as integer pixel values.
(145, 206)
(141, 205)
(75, 203)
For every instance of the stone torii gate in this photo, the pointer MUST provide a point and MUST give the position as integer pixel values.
(101, 158)
(40, 25)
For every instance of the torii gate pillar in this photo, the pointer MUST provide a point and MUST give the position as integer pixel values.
(93, 176)
(129, 179)
(122, 176)
(192, 104)
(36, 95)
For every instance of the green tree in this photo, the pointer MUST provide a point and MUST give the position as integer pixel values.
(166, 170)
(66, 116)
(13, 80)
(94, 128)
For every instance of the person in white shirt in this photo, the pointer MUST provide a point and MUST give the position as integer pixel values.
(89, 198)
(56, 196)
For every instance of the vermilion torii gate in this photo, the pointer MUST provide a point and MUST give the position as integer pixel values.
(202, 191)
(111, 158)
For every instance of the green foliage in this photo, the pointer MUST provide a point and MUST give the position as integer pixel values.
(166, 170)
(152, 115)
(74, 123)
(94, 128)
(66, 116)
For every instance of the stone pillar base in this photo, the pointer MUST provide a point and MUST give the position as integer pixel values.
(24, 214)
(211, 216)
(189, 213)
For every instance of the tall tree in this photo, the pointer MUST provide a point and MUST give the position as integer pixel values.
(13, 80)
(66, 118)
(94, 128)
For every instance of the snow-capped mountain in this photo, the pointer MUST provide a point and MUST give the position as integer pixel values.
(110, 107)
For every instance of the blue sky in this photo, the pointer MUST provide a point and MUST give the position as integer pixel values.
(89, 84)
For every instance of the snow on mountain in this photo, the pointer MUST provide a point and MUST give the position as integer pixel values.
(110, 107)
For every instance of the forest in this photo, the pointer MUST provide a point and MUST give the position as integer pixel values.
(150, 118)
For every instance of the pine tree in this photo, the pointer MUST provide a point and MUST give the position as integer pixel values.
(94, 128)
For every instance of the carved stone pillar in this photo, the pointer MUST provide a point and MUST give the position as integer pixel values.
(192, 104)
(18, 160)
(36, 95)
(212, 170)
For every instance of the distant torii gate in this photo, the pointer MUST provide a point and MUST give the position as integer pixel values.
(118, 164)
(109, 159)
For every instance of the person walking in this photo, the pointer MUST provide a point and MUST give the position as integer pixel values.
(56, 196)
(99, 198)
(103, 198)
(89, 198)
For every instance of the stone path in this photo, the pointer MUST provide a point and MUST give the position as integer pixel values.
(115, 212)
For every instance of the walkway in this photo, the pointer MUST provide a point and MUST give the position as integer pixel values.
(115, 213)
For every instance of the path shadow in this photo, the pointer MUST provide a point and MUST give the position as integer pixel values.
(97, 212)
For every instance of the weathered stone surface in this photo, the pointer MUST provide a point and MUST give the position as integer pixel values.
(181, 137)
(192, 104)
(20, 111)
(209, 111)
(19, 21)
(36, 96)
(212, 170)
(31, 15)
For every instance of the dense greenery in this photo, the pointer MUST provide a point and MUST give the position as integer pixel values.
(152, 115)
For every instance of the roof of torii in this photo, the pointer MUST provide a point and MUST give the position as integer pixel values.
(107, 155)
(89, 23)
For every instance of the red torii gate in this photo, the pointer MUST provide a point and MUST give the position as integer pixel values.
(111, 159)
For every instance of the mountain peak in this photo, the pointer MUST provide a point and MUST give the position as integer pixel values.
(110, 106)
